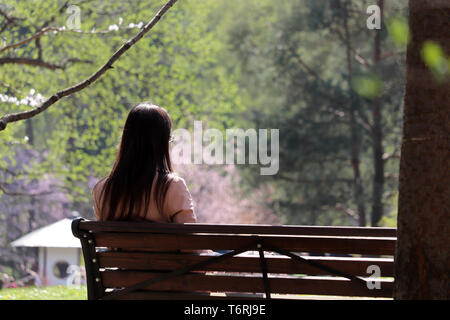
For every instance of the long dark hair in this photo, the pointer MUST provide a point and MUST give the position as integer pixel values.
(143, 152)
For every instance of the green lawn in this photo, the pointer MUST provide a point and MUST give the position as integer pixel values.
(44, 293)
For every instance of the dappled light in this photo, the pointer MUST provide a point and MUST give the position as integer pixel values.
(253, 149)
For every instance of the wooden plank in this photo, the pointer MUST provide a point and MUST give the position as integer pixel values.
(176, 228)
(168, 295)
(275, 264)
(213, 283)
(319, 244)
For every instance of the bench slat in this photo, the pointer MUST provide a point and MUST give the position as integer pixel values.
(275, 264)
(336, 245)
(215, 283)
(171, 295)
(134, 227)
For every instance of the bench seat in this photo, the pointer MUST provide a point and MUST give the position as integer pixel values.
(144, 260)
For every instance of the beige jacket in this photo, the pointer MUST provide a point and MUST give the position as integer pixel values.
(178, 205)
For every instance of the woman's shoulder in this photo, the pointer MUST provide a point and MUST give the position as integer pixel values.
(179, 205)
(177, 184)
(176, 178)
(99, 185)
(100, 182)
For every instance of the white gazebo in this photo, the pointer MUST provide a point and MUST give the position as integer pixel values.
(58, 249)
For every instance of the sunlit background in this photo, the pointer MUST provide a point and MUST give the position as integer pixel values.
(310, 68)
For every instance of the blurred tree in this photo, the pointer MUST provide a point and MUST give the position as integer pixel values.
(307, 70)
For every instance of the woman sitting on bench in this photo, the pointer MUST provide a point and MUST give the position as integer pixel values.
(142, 185)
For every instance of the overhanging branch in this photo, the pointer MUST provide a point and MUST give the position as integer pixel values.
(13, 117)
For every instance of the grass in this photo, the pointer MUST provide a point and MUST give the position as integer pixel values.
(44, 293)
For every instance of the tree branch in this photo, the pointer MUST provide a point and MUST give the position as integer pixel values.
(41, 63)
(13, 117)
(28, 61)
(360, 59)
(393, 154)
(307, 181)
(33, 37)
(45, 30)
(9, 20)
(390, 54)
(303, 64)
(16, 91)
(342, 208)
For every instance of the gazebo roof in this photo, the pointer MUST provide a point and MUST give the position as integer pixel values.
(55, 235)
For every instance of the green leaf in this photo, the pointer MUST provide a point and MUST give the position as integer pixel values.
(435, 58)
(369, 86)
(398, 30)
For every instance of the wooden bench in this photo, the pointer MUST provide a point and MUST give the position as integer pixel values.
(144, 260)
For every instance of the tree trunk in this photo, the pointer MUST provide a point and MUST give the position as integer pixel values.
(377, 140)
(422, 265)
(354, 135)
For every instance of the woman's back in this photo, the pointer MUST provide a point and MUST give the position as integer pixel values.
(178, 204)
(127, 193)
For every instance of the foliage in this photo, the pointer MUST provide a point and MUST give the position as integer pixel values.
(296, 78)
(229, 63)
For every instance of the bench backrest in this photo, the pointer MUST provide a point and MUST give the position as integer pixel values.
(144, 260)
